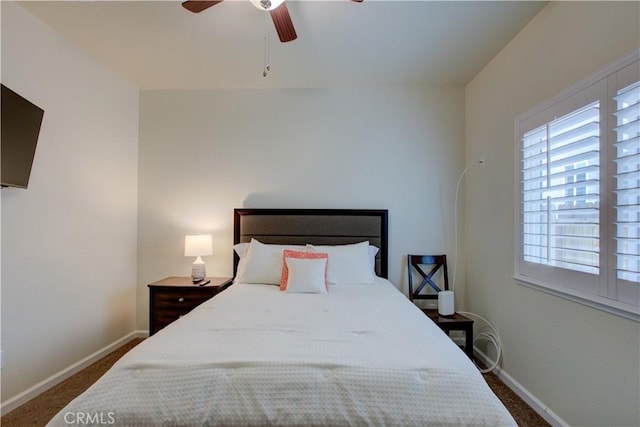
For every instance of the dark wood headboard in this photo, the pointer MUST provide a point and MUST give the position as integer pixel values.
(314, 226)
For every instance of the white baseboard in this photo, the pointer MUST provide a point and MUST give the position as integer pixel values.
(42, 386)
(535, 403)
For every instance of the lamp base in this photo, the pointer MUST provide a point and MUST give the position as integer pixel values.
(198, 272)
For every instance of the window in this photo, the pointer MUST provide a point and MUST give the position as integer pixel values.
(627, 176)
(578, 210)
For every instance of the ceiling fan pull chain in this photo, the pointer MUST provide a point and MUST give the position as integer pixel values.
(267, 67)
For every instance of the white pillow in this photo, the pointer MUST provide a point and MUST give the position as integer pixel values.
(262, 263)
(241, 249)
(373, 251)
(306, 275)
(348, 263)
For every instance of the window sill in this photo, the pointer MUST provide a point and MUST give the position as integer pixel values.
(616, 308)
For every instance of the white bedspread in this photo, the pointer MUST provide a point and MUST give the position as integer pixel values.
(358, 355)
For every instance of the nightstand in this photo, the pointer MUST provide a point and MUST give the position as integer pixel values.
(456, 322)
(173, 297)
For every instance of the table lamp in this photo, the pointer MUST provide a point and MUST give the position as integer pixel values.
(198, 246)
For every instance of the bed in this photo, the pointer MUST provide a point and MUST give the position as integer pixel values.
(348, 350)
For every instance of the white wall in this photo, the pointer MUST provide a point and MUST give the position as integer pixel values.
(1, 355)
(69, 240)
(204, 153)
(584, 364)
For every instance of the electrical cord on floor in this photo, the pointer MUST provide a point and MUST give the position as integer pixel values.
(491, 336)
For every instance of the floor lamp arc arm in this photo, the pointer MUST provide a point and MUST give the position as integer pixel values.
(455, 219)
(492, 336)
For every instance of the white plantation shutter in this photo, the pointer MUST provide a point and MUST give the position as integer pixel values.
(561, 182)
(628, 183)
(578, 206)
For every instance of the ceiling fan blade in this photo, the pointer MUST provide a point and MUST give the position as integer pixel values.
(282, 21)
(197, 6)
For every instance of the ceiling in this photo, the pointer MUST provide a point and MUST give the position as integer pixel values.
(160, 45)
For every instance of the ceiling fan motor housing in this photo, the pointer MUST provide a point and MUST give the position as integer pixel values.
(276, 8)
(267, 4)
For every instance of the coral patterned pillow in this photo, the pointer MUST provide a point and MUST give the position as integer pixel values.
(288, 253)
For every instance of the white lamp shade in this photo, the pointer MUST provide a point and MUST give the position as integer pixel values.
(198, 245)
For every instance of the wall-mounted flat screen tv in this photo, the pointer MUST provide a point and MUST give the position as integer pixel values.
(20, 128)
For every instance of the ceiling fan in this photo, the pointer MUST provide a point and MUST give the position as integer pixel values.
(276, 8)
